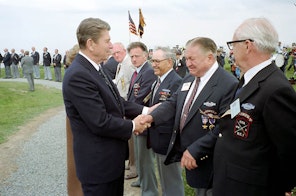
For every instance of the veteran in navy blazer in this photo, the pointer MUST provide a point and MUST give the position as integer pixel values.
(256, 149)
(96, 113)
(208, 104)
(139, 92)
(170, 176)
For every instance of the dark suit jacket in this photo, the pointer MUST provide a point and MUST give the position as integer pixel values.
(142, 86)
(57, 60)
(100, 134)
(255, 155)
(46, 59)
(15, 58)
(180, 67)
(7, 60)
(212, 101)
(159, 136)
(35, 56)
(110, 67)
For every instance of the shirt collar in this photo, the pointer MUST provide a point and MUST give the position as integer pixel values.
(138, 69)
(165, 75)
(254, 70)
(96, 66)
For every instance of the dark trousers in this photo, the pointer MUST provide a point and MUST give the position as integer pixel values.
(113, 188)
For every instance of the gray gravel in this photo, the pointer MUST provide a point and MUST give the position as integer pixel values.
(42, 162)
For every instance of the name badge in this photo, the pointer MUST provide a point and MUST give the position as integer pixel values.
(186, 86)
(235, 108)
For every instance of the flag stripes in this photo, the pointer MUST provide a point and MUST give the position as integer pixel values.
(132, 26)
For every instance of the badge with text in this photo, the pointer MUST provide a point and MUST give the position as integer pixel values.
(242, 125)
(186, 86)
(235, 108)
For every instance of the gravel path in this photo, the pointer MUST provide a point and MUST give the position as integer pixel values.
(41, 161)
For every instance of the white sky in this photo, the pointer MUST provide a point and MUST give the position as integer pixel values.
(53, 23)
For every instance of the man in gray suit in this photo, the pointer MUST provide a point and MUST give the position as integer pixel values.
(158, 138)
(196, 106)
(27, 64)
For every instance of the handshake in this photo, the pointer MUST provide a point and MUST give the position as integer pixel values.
(142, 122)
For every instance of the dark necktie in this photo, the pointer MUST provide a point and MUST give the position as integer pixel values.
(102, 73)
(188, 104)
(156, 88)
(134, 76)
(240, 86)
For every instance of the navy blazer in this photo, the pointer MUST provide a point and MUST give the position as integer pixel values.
(7, 59)
(255, 153)
(142, 85)
(201, 121)
(35, 56)
(159, 136)
(100, 132)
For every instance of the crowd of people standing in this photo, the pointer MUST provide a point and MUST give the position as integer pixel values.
(176, 109)
(14, 68)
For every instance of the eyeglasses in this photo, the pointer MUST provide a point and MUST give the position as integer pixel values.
(230, 44)
(157, 61)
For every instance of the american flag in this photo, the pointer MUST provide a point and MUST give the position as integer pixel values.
(132, 26)
(141, 23)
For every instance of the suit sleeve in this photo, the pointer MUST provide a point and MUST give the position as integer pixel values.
(93, 105)
(279, 116)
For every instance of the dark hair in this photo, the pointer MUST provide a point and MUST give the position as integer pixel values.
(90, 28)
(137, 45)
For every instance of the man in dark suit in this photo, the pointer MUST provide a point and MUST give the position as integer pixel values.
(164, 87)
(96, 113)
(255, 151)
(140, 87)
(57, 65)
(180, 64)
(7, 62)
(46, 64)
(36, 69)
(110, 67)
(196, 106)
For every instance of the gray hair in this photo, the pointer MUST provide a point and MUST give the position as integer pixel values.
(261, 31)
(206, 45)
(90, 28)
(167, 52)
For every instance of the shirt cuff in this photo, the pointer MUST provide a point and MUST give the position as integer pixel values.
(145, 110)
(133, 126)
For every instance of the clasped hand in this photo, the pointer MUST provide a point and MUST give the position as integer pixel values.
(142, 122)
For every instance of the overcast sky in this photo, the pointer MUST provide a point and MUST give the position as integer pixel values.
(53, 23)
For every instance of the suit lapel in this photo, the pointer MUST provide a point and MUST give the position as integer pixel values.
(253, 85)
(84, 62)
(181, 99)
(203, 95)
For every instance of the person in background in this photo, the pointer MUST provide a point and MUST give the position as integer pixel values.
(196, 106)
(21, 55)
(46, 64)
(14, 64)
(36, 69)
(73, 184)
(96, 113)
(256, 138)
(139, 90)
(7, 62)
(110, 66)
(124, 72)
(65, 60)
(180, 64)
(27, 64)
(57, 58)
(168, 81)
